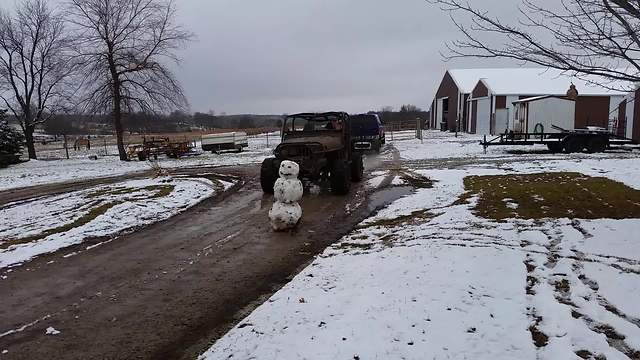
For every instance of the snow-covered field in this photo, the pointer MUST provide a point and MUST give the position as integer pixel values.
(427, 278)
(444, 145)
(80, 167)
(47, 224)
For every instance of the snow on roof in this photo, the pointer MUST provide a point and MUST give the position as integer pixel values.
(532, 81)
(536, 98)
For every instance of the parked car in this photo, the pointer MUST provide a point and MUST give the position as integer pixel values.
(321, 145)
(225, 141)
(367, 132)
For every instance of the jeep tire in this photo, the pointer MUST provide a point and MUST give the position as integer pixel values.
(268, 175)
(357, 168)
(340, 178)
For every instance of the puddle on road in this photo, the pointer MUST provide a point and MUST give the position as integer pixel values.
(386, 196)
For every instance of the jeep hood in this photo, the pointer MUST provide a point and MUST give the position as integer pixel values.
(328, 142)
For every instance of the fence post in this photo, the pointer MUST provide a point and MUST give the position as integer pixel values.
(267, 139)
(66, 147)
(105, 146)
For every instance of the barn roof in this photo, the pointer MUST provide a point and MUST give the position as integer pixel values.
(532, 81)
(536, 98)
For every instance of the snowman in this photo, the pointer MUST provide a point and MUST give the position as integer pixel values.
(287, 191)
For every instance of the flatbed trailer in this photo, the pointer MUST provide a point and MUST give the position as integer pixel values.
(568, 141)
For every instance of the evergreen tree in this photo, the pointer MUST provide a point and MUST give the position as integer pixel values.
(10, 139)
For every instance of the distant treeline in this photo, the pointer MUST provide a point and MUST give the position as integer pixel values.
(141, 123)
(407, 113)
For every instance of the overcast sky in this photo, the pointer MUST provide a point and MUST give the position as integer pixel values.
(287, 56)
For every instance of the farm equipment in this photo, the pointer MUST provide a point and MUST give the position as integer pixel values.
(225, 141)
(591, 139)
(152, 147)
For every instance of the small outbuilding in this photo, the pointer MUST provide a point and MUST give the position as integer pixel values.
(627, 120)
(543, 114)
(480, 101)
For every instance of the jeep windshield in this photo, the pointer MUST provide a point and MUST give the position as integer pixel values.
(313, 123)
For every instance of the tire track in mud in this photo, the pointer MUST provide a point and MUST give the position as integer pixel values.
(563, 294)
(539, 338)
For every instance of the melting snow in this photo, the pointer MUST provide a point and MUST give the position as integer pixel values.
(443, 283)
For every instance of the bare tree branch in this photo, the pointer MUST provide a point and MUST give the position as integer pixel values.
(124, 46)
(35, 65)
(596, 40)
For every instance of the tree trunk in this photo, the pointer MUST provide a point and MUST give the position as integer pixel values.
(117, 120)
(28, 136)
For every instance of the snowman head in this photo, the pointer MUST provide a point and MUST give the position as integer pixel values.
(289, 170)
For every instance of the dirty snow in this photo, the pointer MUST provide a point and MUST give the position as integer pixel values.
(446, 284)
(52, 331)
(37, 226)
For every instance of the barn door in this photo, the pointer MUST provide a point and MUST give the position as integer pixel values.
(502, 121)
(621, 123)
(483, 119)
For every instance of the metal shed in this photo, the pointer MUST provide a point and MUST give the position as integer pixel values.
(540, 114)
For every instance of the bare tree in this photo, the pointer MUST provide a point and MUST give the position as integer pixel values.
(123, 45)
(591, 39)
(34, 65)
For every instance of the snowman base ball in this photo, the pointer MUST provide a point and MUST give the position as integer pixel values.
(285, 216)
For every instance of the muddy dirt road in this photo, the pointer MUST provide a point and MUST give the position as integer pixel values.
(167, 291)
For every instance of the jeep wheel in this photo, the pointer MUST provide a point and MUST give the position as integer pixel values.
(268, 175)
(340, 178)
(357, 168)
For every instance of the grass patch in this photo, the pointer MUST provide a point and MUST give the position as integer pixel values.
(120, 190)
(551, 195)
(416, 180)
(414, 218)
(160, 191)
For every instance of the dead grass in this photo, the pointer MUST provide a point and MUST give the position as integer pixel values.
(551, 195)
(416, 180)
(414, 218)
(160, 191)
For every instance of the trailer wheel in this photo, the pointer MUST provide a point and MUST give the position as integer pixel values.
(340, 178)
(357, 168)
(142, 156)
(555, 147)
(573, 145)
(268, 175)
(596, 145)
